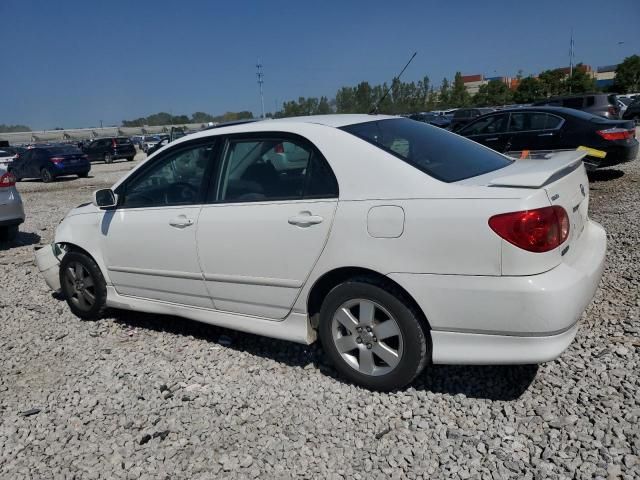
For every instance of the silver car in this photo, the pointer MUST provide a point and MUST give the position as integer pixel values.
(11, 210)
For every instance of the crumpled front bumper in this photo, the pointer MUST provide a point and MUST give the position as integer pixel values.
(48, 262)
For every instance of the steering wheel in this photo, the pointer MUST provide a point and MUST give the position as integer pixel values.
(184, 191)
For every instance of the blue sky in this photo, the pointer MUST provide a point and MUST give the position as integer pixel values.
(73, 63)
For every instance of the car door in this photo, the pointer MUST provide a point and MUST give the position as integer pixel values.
(534, 131)
(91, 150)
(266, 224)
(149, 240)
(489, 130)
(17, 166)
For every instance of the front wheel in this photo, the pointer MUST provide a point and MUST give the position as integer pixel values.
(83, 175)
(108, 158)
(130, 159)
(46, 175)
(83, 285)
(372, 335)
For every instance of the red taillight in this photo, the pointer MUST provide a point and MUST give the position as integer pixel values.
(7, 180)
(113, 143)
(617, 133)
(279, 148)
(539, 230)
(57, 160)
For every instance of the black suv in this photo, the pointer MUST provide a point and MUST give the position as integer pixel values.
(462, 116)
(110, 149)
(601, 104)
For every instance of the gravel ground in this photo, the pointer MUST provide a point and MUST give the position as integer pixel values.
(142, 396)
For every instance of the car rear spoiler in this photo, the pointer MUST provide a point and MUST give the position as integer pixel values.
(536, 173)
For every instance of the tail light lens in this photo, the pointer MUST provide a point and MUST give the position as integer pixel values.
(7, 180)
(57, 160)
(539, 230)
(617, 133)
(279, 148)
(113, 143)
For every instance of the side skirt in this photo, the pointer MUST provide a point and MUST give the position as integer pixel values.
(295, 327)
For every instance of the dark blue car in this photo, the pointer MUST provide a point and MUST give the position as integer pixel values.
(50, 162)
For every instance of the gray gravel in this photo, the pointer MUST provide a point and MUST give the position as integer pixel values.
(142, 396)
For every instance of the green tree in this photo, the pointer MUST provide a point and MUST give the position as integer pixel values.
(495, 92)
(323, 106)
(551, 83)
(628, 75)
(346, 100)
(459, 96)
(579, 81)
(13, 128)
(201, 117)
(444, 99)
(528, 90)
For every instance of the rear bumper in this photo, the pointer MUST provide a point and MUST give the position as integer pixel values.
(12, 211)
(615, 155)
(545, 306)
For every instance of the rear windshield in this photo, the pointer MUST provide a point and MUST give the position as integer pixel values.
(64, 150)
(122, 140)
(438, 153)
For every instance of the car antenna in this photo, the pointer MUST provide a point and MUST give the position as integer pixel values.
(374, 110)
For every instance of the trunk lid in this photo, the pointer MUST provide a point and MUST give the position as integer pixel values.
(564, 179)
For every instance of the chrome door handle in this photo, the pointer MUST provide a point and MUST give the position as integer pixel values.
(181, 222)
(550, 134)
(491, 139)
(305, 219)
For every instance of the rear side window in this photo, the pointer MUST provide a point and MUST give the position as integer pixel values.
(64, 150)
(123, 141)
(575, 102)
(527, 121)
(436, 152)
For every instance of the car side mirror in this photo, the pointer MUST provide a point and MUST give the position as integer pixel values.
(105, 199)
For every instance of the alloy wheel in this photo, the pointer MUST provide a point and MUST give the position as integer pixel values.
(367, 337)
(80, 286)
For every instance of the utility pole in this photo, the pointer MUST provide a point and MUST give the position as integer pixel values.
(570, 60)
(260, 76)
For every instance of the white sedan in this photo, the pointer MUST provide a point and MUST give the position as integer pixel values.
(398, 244)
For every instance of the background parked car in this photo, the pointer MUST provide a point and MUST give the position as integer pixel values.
(110, 149)
(462, 116)
(150, 141)
(442, 121)
(602, 104)
(633, 111)
(9, 154)
(158, 146)
(11, 210)
(51, 162)
(555, 128)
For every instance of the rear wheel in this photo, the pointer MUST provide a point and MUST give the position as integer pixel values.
(83, 285)
(83, 175)
(7, 234)
(372, 335)
(46, 175)
(129, 159)
(108, 158)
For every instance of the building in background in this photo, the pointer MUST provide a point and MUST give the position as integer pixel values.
(605, 76)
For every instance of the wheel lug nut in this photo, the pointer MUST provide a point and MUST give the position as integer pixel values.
(375, 339)
(359, 329)
(369, 346)
(358, 340)
(368, 329)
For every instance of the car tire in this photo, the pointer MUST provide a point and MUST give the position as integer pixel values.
(83, 286)
(108, 158)
(385, 346)
(130, 159)
(9, 233)
(46, 175)
(83, 175)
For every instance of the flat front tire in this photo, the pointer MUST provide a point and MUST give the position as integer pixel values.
(372, 335)
(83, 285)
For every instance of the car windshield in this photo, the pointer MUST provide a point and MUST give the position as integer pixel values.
(438, 153)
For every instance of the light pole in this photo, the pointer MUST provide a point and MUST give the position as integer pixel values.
(260, 76)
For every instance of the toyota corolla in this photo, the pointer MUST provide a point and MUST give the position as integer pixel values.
(397, 243)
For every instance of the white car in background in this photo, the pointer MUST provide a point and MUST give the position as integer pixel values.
(399, 244)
